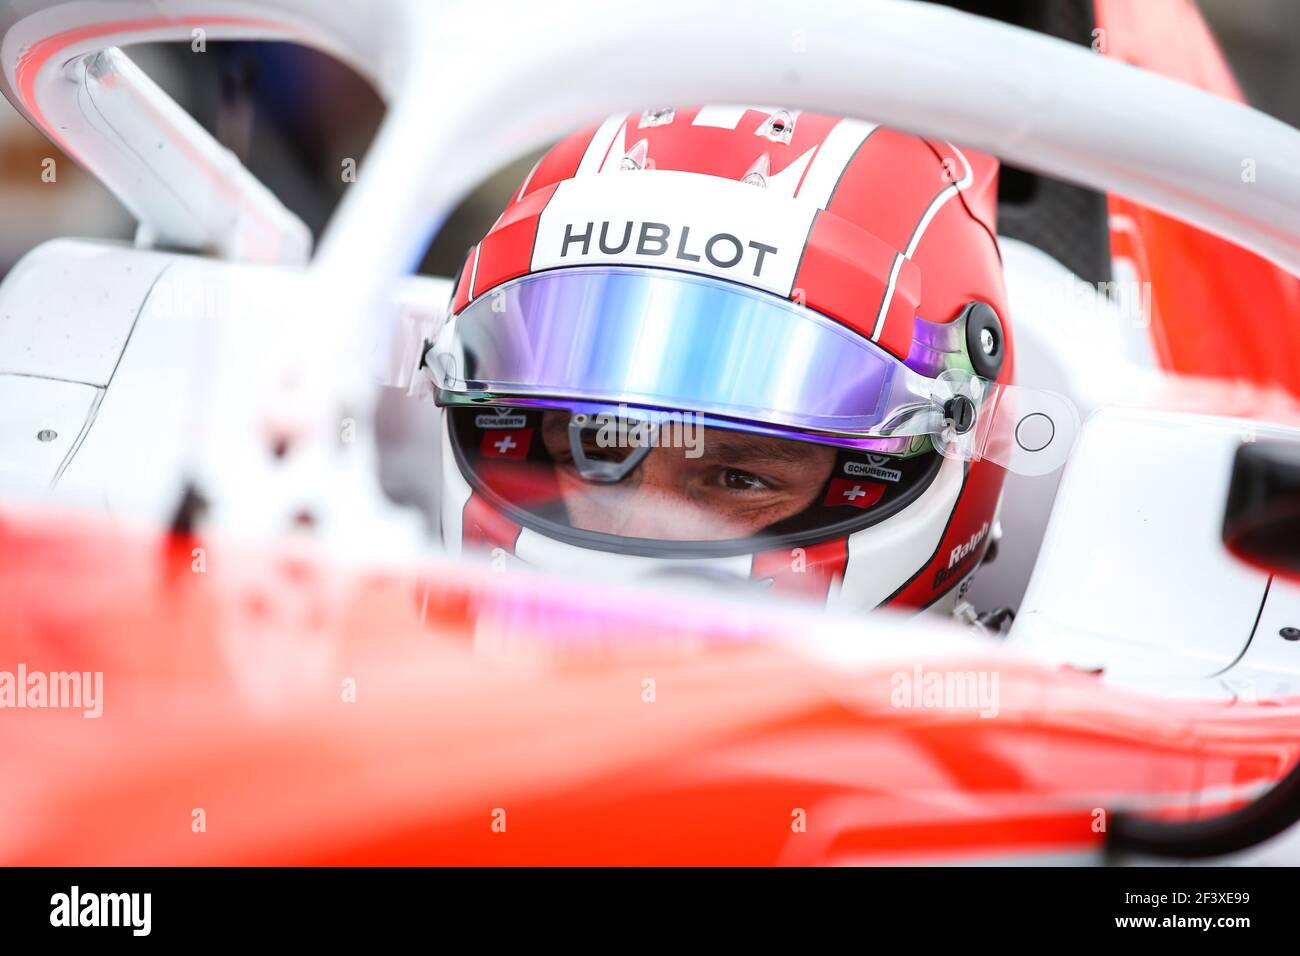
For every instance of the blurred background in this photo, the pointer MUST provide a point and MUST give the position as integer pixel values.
(296, 117)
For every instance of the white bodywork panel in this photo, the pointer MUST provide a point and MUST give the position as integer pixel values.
(68, 307)
(41, 422)
(66, 313)
(1132, 577)
(112, 349)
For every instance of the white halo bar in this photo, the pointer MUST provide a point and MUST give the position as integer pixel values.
(473, 84)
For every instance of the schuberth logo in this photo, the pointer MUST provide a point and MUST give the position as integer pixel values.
(500, 421)
(721, 250)
(872, 468)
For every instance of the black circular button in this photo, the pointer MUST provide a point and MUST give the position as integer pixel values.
(985, 342)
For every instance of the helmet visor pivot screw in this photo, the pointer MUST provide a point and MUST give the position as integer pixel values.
(987, 342)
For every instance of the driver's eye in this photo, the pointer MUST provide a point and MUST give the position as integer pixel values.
(737, 480)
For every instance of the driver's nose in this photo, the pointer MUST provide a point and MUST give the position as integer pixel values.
(654, 503)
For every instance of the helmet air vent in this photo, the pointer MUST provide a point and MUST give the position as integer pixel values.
(778, 127)
(758, 173)
(637, 157)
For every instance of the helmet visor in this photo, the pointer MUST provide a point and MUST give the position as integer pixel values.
(662, 339)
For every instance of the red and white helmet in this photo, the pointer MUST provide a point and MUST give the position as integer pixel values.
(749, 343)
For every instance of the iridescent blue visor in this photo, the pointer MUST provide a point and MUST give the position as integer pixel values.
(663, 339)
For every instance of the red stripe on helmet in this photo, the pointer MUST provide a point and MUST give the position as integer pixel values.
(507, 251)
(482, 526)
(890, 184)
(460, 297)
(960, 262)
(845, 273)
(964, 543)
(803, 571)
(559, 163)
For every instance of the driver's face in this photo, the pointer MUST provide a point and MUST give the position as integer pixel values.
(739, 485)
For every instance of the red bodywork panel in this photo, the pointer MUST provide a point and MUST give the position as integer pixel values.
(321, 715)
(1217, 310)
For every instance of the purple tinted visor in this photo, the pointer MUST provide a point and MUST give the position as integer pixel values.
(672, 340)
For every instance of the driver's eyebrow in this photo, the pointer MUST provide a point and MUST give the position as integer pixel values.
(753, 447)
(555, 426)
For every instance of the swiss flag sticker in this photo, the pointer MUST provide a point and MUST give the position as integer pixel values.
(859, 494)
(506, 443)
